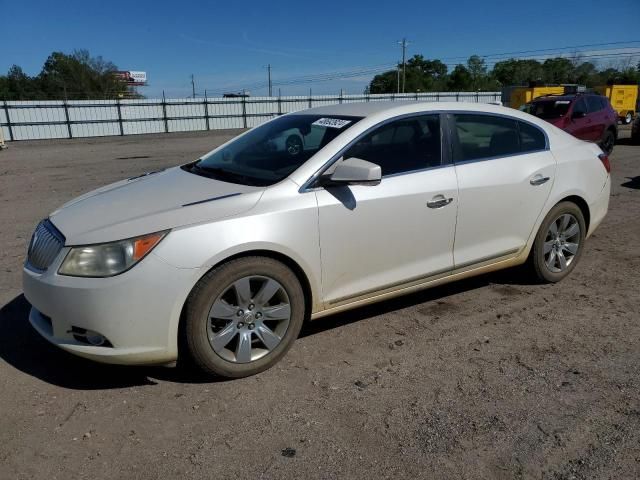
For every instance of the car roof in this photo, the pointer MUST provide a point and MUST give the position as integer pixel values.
(375, 108)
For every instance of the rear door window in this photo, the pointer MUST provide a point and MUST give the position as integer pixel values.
(594, 104)
(484, 136)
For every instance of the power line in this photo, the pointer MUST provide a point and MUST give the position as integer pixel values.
(375, 69)
(547, 49)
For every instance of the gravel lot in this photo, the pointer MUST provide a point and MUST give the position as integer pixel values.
(487, 378)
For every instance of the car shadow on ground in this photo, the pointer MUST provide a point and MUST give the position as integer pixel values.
(633, 182)
(23, 348)
(626, 141)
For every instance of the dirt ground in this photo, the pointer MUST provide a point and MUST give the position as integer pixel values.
(487, 378)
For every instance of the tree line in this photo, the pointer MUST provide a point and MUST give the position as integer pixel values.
(75, 76)
(424, 75)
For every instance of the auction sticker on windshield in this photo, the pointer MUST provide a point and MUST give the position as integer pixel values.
(331, 122)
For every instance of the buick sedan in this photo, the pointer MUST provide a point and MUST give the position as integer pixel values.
(223, 259)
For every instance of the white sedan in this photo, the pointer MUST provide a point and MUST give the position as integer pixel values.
(223, 259)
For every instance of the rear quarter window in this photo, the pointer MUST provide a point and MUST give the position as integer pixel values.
(531, 138)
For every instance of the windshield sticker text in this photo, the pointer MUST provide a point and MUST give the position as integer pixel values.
(331, 122)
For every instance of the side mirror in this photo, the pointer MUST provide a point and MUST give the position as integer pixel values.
(578, 115)
(354, 171)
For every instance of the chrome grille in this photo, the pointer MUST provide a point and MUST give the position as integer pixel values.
(45, 245)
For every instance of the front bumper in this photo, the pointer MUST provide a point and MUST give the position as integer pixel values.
(137, 312)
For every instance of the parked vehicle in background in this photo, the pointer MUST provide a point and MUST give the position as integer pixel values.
(635, 131)
(521, 95)
(585, 116)
(623, 98)
(223, 259)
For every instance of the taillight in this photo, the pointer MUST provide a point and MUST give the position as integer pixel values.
(604, 158)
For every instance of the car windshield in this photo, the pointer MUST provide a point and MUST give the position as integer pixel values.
(271, 152)
(547, 109)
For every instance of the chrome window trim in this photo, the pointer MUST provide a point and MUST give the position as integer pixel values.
(446, 143)
(307, 186)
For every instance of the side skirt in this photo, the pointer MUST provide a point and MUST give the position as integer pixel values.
(505, 260)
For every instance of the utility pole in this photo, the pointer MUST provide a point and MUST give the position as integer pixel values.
(404, 45)
(398, 78)
(269, 78)
(193, 86)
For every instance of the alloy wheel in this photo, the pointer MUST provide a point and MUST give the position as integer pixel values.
(249, 319)
(561, 243)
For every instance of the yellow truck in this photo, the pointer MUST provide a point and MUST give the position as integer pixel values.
(521, 95)
(623, 98)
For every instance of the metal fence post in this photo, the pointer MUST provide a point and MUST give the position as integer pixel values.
(279, 104)
(310, 99)
(340, 98)
(437, 96)
(206, 110)
(244, 111)
(6, 113)
(477, 97)
(66, 116)
(457, 96)
(164, 114)
(119, 117)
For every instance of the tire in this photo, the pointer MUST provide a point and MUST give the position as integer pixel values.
(549, 270)
(608, 142)
(213, 318)
(628, 118)
(294, 145)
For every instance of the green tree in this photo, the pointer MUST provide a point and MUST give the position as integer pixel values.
(75, 76)
(460, 79)
(478, 72)
(558, 70)
(79, 76)
(384, 83)
(517, 72)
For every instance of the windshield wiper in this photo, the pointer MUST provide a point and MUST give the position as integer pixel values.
(222, 174)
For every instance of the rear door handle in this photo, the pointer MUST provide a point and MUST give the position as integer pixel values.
(539, 180)
(439, 201)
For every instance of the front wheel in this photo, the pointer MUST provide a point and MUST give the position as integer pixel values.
(558, 245)
(243, 316)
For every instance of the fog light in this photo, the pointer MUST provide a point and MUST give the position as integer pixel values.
(94, 338)
(90, 337)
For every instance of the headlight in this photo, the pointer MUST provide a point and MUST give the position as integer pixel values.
(108, 259)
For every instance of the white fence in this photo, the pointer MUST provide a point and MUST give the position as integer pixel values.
(35, 120)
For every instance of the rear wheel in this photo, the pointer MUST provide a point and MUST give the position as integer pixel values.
(608, 142)
(243, 316)
(558, 245)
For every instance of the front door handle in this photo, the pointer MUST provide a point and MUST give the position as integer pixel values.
(439, 201)
(539, 180)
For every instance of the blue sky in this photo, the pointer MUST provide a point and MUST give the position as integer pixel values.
(227, 45)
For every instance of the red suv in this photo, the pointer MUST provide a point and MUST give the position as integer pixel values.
(586, 116)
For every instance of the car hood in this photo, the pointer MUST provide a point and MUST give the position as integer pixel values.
(150, 203)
